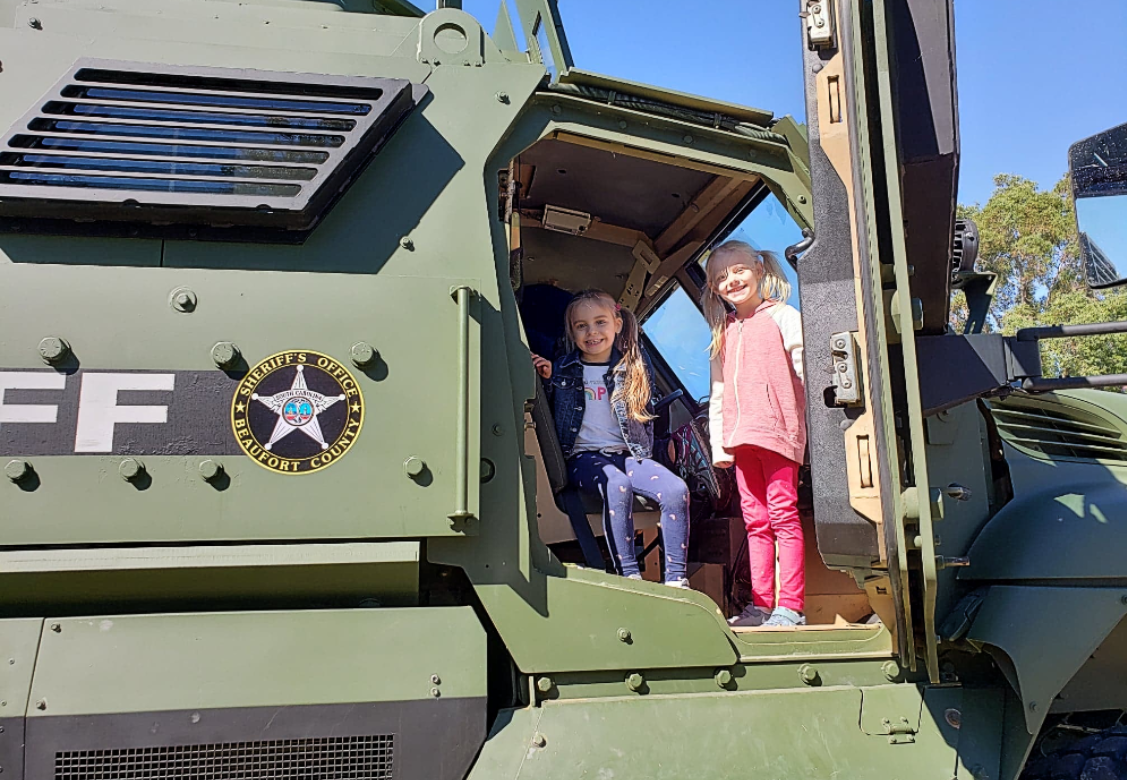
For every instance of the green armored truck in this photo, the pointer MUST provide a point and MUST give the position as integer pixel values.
(282, 497)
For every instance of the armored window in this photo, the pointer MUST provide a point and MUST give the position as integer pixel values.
(175, 148)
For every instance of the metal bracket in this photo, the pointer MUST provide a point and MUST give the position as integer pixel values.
(819, 24)
(847, 382)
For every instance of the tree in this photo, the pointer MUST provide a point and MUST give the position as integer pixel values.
(1027, 237)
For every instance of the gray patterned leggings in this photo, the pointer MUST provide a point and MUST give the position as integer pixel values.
(615, 478)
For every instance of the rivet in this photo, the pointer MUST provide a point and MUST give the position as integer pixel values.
(544, 684)
(363, 354)
(54, 349)
(16, 470)
(41, 704)
(808, 674)
(210, 469)
(225, 354)
(635, 681)
(1123, 599)
(723, 677)
(498, 430)
(407, 243)
(503, 97)
(1032, 706)
(34, 23)
(435, 692)
(182, 300)
(802, 199)
(891, 670)
(556, 109)
(687, 139)
(130, 469)
(435, 679)
(623, 635)
(488, 470)
(622, 125)
(413, 466)
(539, 740)
(58, 629)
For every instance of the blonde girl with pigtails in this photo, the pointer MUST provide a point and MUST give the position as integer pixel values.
(757, 419)
(602, 396)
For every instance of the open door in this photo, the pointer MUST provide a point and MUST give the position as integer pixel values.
(883, 155)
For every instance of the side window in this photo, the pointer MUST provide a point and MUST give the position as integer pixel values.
(679, 332)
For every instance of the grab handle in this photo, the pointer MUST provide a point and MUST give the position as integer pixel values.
(463, 295)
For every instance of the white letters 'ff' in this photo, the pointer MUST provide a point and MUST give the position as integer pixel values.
(98, 410)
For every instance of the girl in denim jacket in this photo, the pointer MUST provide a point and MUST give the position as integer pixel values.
(757, 419)
(602, 394)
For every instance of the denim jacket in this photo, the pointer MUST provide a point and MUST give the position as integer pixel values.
(569, 402)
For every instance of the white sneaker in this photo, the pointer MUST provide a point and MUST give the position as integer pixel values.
(785, 617)
(633, 576)
(751, 617)
(680, 582)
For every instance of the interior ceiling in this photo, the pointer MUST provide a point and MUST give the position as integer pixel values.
(626, 191)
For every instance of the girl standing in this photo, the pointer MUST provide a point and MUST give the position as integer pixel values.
(757, 419)
(602, 395)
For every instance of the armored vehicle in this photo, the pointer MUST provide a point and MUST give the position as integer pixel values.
(281, 496)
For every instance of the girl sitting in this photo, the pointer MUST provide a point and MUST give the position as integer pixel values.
(757, 419)
(602, 394)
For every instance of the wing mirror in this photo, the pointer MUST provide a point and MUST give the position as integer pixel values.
(1098, 169)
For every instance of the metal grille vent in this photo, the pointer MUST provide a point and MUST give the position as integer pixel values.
(330, 758)
(205, 146)
(1059, 432)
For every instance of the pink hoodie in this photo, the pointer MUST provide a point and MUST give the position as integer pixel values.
(757, 395)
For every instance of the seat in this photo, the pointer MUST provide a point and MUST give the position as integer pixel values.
(576, 506)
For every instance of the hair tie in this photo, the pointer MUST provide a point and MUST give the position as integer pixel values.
(618, 307)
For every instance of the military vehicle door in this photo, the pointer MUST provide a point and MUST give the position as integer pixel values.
(880, 88)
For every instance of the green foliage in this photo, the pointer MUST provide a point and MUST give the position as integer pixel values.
(1027, 237)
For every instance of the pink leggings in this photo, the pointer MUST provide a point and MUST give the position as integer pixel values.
(768, 484)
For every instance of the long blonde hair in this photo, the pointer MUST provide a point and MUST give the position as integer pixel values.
(773, 285)
(635, 387)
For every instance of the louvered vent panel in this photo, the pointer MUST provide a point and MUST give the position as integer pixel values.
(204, 146)
(331, 758)
(1059, 432)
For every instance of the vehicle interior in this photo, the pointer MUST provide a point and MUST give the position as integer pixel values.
(583, 214)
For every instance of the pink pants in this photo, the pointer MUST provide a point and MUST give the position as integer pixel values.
(768, 485)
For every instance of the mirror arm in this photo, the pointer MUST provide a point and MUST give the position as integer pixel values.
(1067, 331)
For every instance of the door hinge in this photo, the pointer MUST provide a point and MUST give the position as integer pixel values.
(819, 24)
(899, 732)
(847, 382)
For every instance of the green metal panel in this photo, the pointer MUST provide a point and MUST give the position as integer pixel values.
(812, 733)
(1016, 619)
(162, 578)
(142, 663)
(262, 314)
(19, 643)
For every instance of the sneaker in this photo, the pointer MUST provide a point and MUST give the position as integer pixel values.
(680, 582)
(785, 617)
(751, 617)
(633, 576)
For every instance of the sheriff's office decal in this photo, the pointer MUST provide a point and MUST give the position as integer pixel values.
(297, 412)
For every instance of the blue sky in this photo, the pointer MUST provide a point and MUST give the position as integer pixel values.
(1034, 75)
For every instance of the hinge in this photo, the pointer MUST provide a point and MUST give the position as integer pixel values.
(819, 24)
(846, 379)
(900, 732)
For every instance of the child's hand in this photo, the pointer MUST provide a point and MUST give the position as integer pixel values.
(543, 366)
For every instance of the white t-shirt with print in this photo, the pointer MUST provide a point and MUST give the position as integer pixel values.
(600, 430)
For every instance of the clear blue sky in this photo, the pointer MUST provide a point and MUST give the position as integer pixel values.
(1034, 75)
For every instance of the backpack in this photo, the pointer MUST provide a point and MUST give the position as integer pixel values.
(692, 461)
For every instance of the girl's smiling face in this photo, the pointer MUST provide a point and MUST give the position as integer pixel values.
(736, 280)
(594, 325)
